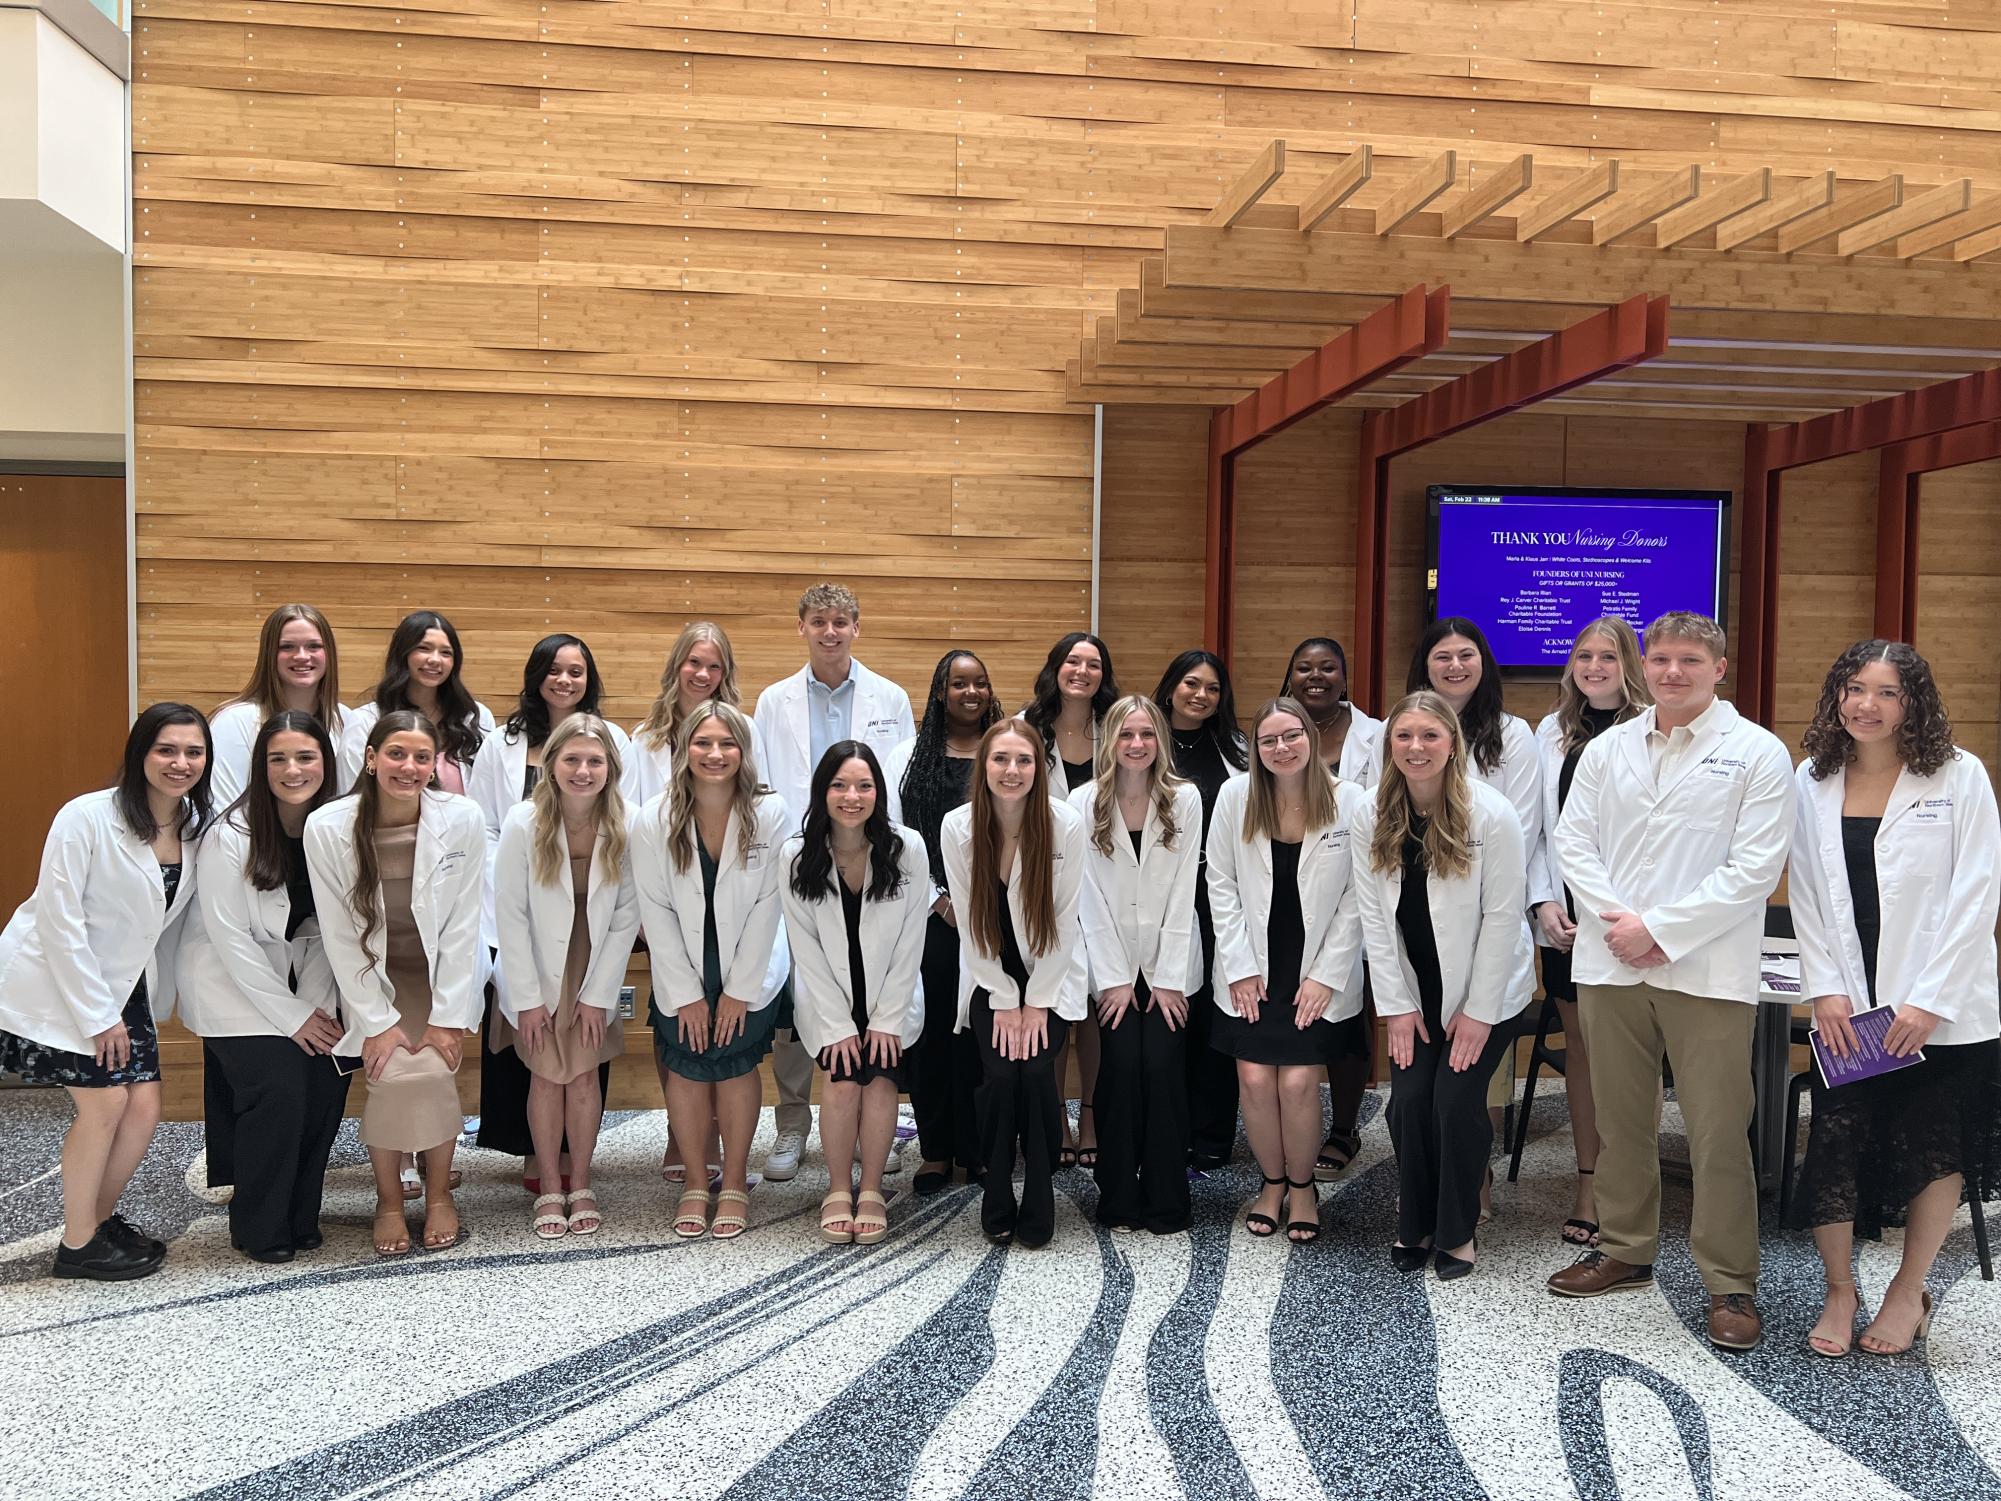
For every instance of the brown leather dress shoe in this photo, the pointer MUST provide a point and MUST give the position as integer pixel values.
(1734, 1323)
(1594, 1274)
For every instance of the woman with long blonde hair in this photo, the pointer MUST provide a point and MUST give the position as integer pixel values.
(1288, 950)
(705, 855)
(1441, 886)
(1138, 908)
(1602, 685)
(567, 911)
(1014, 867)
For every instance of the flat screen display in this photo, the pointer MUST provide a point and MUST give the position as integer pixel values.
(1533, 565)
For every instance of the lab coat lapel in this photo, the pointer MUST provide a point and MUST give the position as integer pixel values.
(1909, 791)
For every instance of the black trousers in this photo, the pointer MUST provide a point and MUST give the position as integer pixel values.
(1017, 1102)
(285, 1110)
(1211, 1076)
(1141, 1107)
(1439, 1125)
(503, 1094)
(943, 1069)
(219, 1120)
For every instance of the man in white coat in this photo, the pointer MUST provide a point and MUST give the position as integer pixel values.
(1673, 837)
(832, 698)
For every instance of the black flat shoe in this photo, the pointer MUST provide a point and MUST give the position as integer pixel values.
(312, 1240)
(1409, 1258)
(927, 1184)
(123, 1232)
(1206, 1162)
(277, 1257)
(102, 1259)
(1451, 1268)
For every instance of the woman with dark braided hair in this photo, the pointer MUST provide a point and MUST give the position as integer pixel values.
(1894, 891)
(928, 776)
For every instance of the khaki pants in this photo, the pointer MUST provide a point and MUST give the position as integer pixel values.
(1627, 1029)
(792, 1067)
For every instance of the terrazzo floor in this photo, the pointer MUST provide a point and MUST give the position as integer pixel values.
(1210, 1365)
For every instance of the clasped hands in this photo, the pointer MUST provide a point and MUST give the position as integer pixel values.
(449, 1043)
(1911, 1029)
(1630, 942)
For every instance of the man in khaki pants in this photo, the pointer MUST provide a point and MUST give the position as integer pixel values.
(1674, 835)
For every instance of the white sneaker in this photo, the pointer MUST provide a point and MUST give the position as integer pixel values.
(891, 1164)
(782, 1163)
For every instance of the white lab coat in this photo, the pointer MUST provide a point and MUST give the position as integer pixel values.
(352, 746)
(1240, 889)
(879, 718)
(892, 943)
(1545, 879)
(1362, 751)
(1486, 963)
(1938, 888)
(750, 933)
(1138, 911)
(1696, 858)
(649, 767)
(97, 920)
(232, 731)
(536, 918)
(1518, 778)
(447, 886)
(236, 967)
(1057, 980)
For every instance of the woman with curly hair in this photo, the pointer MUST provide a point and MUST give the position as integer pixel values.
(928, 776)
(1894, 895)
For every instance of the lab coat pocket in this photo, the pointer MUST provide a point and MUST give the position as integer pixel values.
(1709, 799)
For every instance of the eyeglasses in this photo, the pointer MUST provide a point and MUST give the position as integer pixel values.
(1284, 737)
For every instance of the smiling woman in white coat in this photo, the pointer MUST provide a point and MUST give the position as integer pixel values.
(857, 893)
(398, 872)
(424, 671)
(568, 910)
(1144, 827)
(1014, 865)
(88, 959)
(705, 857)
(256, 987)
(1443, 895)
(1288, 951)
(297, 669)
(1896, 881)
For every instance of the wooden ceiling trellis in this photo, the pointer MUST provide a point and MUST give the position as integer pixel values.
(1792, 296)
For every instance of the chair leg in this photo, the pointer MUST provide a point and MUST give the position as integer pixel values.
(1980, 1247)
(1793, 1093)
(1528, 1091)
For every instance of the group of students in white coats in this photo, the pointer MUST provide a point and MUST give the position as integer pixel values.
(831, 877)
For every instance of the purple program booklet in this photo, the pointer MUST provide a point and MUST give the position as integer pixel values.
(1870, 1059)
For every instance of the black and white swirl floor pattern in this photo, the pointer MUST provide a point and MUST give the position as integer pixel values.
(1211, 1365)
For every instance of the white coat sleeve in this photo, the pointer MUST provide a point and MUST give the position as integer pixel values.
(352, 747)
(1545, 884)
(224, 894)
(608, 961)
(486, 784)
(677, 979)
(67, 856)
(1577, 853)
(456, 998)
(1500, 946)
(1376, 914)
(1063, 971)
(891, 1002)
(367, 1003)
(1813, 912)
(1178, 936)
(1521, 782)
(1972, 901)
(984, 970)
(1748, 877)
(1341, 943)
(758, 937)
(1105, 954)
(520, 986)
(822, 1017)
(1235, 958)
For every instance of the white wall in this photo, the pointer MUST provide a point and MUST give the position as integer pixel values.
(62, 361)
(62, 131)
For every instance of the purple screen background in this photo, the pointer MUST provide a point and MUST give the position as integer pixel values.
(1561, 561)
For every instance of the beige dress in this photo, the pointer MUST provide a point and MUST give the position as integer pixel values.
(562, 1055)
(414, 1106)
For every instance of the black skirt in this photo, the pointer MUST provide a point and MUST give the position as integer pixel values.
(38, 1063)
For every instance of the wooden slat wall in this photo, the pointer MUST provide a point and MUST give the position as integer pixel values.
(600, 317)
(1959, 594)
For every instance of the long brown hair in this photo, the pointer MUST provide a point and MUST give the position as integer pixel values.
(361, 895)
(1034, 855)
(551, 859)
(663, 720)
(1448, 842)
(1261, 807)
(677, 809)
(256, 811)
(1161, 782)
(1572, 732)
(264, 690)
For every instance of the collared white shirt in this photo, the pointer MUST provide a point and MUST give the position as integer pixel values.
(1665, 748)
(830, 712)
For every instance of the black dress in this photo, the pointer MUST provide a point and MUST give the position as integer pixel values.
(865, 1072)
(942, 1067)
(1211, 1075)
(1874, 1145)
(38, 1063)
(1556, 980)
(1274, 1038)
(1076, 774)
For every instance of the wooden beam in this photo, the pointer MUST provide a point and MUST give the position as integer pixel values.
(1926, 208)
(1432, 179)
(1503, 187)
(1713, 208)
(1645, 206)
(1793, 201)
(1568, 201)
(1864, 203)
(1340, 186)
(1248, 189)
(1974, 246)
(1950, 230)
